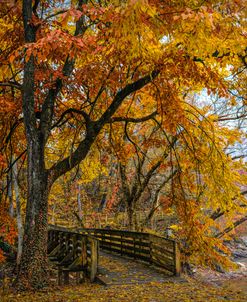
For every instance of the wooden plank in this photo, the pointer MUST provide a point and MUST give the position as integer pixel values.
(76, 265)
(68, 258)
(167, 267)
(129, 253)
(169, 245)
(177, 263)
(55, 251)
(130, 241)
(117, 232)
(160, 238)
(163, 259)
(123, 247)
(163, 250)
(59, 276)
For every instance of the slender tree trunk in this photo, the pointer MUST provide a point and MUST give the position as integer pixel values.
(80, 216)
(53, 214)
(79, 202)
(10, 191)
(136, 219)
(130, 212)
(18, 215)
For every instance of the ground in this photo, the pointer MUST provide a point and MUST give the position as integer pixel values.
(124, 280)
(128, 281)
(190, 290)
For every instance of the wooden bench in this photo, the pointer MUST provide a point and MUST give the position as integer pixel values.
(72, 252)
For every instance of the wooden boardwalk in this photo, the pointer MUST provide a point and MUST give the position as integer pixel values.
(112, 256)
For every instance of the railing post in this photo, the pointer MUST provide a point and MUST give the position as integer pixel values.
(150, 248)
(94, 258)
(177, 260)
(59, 277)
(121, 244)
(134, 247)
(66, 277)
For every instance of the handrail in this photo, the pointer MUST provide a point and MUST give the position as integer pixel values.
(160, 251)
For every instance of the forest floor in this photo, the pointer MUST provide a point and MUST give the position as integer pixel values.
(128, 281)
(191, 290)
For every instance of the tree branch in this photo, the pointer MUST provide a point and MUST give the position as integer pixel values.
(11, 84)
(122, 94)
(48, 105)
(133, 120)
(94, 127)
(72, 110)
(218, 213)
(229, 229)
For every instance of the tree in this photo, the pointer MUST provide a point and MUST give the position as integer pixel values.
(143, 151)
(76, 66)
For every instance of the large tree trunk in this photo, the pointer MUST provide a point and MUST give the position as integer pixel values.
(32, 271)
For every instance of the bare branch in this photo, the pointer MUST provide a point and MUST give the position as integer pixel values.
(69, 111)
(55, 14)
(11, 84)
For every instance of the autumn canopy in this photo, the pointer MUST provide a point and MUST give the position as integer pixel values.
(147, 88)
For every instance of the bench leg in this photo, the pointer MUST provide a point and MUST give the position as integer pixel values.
(59, 276)
(66, 277)
(80, 278)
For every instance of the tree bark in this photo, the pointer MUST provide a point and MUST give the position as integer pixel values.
(18, 214)
(79, 205)
(10, 191)
(32, 271)
(130, 217)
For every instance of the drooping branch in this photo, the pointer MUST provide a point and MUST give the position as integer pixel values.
(230, 228)
(218, 213)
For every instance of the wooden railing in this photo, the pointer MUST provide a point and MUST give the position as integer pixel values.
(157, 250)
(72, 252)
